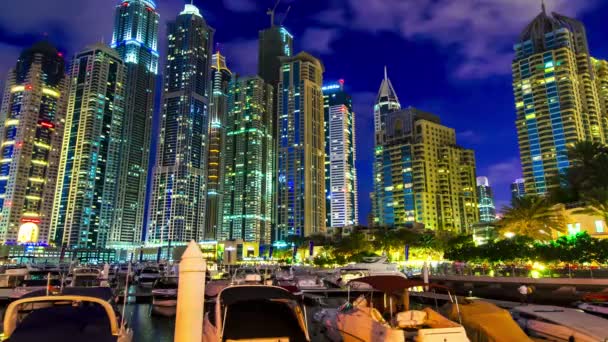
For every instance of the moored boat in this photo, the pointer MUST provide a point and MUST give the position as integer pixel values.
(164, 296)
(597, 308)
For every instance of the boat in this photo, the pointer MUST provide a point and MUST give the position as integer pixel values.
(598, 308)
(246, 275)
(372, 267)
(560, 324)
(75, 315)
(36, 280)
(256, 313)
(383, 319)
(148, 275)
(86, 277)
(10, 279)
(484, 322)
(164, 296)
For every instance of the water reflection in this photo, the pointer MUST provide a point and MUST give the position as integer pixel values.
(147, 327)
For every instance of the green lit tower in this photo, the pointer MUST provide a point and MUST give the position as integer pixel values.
(556, 97)
(340, 158)
(87, 183)
(32, 117)
(135, 39)
(249, 156)
(177, 202)
(220, 78)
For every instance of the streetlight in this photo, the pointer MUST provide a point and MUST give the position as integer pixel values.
(509, 235)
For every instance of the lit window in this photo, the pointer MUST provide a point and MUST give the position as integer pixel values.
(599, 226)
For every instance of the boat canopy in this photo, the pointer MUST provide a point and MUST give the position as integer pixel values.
(574, 319)
(103, 293)
(391, 283)
(236, 294)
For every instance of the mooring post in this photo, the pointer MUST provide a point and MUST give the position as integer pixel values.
(190, 295)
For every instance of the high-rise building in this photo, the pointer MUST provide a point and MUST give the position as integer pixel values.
(487, 209)
(177, 203)
(301, 168)
(556, 97)
(386, 102)
(218, 112)
(518, 189)
(340, 158)
(88, 182)
(135, 39)
(249, 155)
(422, 176)
(32, 116)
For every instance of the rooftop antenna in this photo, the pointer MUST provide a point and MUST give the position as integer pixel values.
(285, 15)
(542, 5)
(272, 11)
(385, 73)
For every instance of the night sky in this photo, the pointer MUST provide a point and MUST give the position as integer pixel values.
(450, 57)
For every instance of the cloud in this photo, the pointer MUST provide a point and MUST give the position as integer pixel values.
(242, 56)
(503, 173)
(480, 33)
(241, 5)
(469, 136)
(318, 40)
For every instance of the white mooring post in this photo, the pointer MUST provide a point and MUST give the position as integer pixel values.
(190, 295)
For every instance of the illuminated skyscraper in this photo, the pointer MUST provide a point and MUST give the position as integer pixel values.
(220, 78)
(340, 158)
(249, 154)
(487, 210)
(422, 176)
(301, 169)
(556, 97)
(386, 102)
(136, 41)
(32, 117)
(518, 189)
(87, 183)
(177, 203)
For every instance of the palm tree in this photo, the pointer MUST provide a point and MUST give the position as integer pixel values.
(588, 162)
(534, 217)
(597, 203)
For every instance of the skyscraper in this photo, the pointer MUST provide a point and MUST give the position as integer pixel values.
(422, 176)
(518, 189)
(340, 158)
(218, 108)
(135, 39)
(32, 116)
(487, 210)
(88, 183)
(386, 102)
(177, 207)
(249, 154)
(556, 97)
(301, 169)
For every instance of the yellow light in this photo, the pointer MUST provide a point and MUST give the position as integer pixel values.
(42, 145)
(16, 89)
(10, 142)
(6, 160)
(40, 162)
(530, 116)
(535, 274)
(33, 198)
(519, 104)
(51, 92)
(31, 214)
(538, 266)
(36, 180)
(11, 122)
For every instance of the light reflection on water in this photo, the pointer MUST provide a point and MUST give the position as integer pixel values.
(147, 327)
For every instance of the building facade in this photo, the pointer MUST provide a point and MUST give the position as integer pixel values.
(249, 154)
(88, 183)
(177, 203)
(340, 157)
(386, 102)
(220, 78)
(422, 176)
(135, 39)
(556, 97)
(487, 209)
(32, 116)
(518, 189)
(301, 168)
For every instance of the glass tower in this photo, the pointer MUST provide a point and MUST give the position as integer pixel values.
(177, 203)
(301, 168)
(340, 158)
(87, 183)
(32, 116)
(249, 154)
(518, 189)
(487, 210)
(135, 39)
(556, 97)
(220, 78)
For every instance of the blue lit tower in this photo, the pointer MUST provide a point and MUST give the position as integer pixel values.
(177, 203)
(487, 209)
(87, 182)
(136, 41)
(386, 102)
(340, 158)
(32, 113)
(220, 78)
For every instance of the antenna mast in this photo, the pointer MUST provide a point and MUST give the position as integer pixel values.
(272, 11)
(285, 15)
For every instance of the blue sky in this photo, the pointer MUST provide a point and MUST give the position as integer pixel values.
(450, 57)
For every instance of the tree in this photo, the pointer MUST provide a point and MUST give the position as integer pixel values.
(596, 203)
(532, 216)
